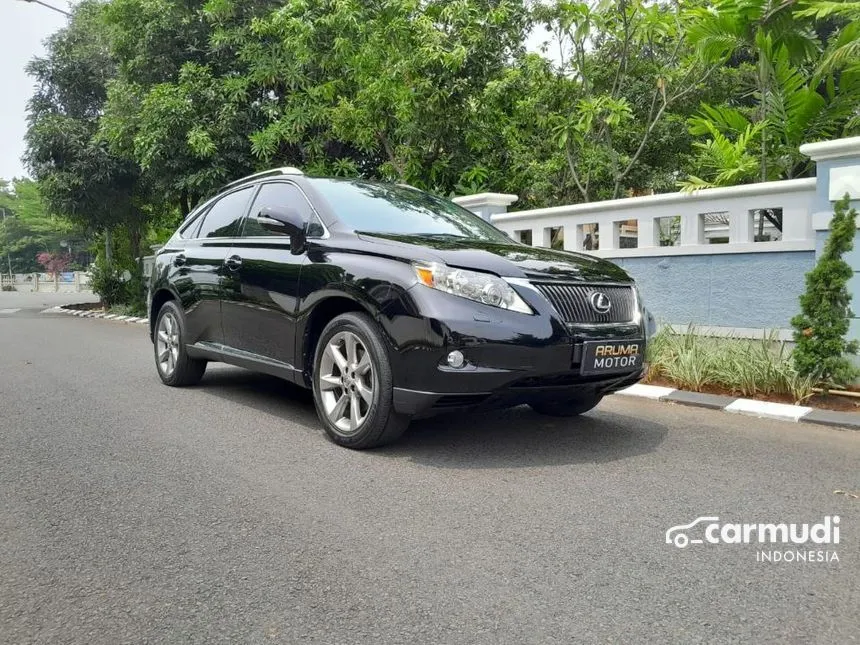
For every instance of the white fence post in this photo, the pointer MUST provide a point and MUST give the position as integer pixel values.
(486, 204)
(648, 236)
(741, 228)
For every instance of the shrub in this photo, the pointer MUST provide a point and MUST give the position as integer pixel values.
(116, 286)
(8, 287)
(742, 366)
(820, 328)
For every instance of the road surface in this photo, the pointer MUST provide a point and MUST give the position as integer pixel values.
(131, 512)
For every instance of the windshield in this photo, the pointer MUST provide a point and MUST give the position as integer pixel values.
(399, 210)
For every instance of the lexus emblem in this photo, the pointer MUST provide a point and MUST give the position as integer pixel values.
(600, 302)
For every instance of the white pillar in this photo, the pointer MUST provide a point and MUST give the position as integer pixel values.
(486, 204)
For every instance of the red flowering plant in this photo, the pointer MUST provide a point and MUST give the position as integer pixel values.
(54, 263)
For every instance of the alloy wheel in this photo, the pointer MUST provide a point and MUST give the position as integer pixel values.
(346, 382)
(167, 343)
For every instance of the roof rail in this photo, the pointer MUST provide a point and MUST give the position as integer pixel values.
(286, 170)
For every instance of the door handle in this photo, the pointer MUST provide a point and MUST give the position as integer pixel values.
(179, 260)
(233, 262)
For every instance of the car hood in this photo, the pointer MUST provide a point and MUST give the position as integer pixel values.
(511, 260)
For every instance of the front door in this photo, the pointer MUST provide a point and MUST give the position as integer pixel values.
(260, 303)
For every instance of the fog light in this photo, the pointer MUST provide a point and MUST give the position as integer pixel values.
(456, 359)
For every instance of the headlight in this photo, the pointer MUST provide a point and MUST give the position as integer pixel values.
(474, 285)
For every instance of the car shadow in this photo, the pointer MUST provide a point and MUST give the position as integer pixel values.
(521, 438)
(512, 438)
(263, 393)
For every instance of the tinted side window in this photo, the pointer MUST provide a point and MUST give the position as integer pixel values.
(224, 218)
(277, 194)
(189, 228)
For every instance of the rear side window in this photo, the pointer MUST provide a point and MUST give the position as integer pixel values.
(278, 194)
(224, 218)
(189, 228)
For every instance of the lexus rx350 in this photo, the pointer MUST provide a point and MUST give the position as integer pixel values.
(389, 303)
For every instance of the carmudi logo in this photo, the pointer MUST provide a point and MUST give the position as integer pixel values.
(814, 537)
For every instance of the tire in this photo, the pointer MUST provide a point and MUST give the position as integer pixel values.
(174, 366)
(353, 385)
(566, 408)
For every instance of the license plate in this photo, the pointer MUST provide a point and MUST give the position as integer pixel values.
(611, 356)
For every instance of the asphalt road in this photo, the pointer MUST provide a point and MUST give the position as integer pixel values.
(131, 512)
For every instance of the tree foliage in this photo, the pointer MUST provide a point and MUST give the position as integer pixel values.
(144, 107)
(27, 229)
(79, 177)
(790, 95)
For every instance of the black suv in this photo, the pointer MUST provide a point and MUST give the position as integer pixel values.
(390, 303)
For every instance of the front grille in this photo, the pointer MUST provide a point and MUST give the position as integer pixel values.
(572, 302)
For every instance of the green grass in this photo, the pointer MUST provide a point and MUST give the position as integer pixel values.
(745, 367)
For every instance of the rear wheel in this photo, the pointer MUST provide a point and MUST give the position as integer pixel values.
(566, 408)
(353, 385)
(174, 365)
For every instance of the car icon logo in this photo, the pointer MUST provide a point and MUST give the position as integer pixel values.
(677, 534)
(600, 302)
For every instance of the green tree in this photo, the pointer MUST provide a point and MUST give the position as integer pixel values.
(631, 63)
(784, 104)
(78, 177)
(797, 113)
(384, 90)
(843, 51)
(820, 329)
(27, 229)
(178, 106)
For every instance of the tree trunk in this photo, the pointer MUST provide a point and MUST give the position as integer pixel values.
(108, 249)
(134, 241)
(184, 206)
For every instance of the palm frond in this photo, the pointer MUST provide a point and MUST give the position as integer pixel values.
(726, 120)
(820, 9)
(846, 56)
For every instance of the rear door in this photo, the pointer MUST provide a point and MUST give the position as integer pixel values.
(259, 307)
(199, 264)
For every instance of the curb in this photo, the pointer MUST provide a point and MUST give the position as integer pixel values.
(750, 407)
(95, 314)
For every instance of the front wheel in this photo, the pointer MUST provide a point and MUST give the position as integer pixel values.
(567, 407)
(174, 365)
(353, 385)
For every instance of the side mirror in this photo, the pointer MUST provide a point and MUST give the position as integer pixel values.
(285, 221)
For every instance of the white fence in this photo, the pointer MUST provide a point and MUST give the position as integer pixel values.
(67, 281)
(727, 259)
(771, 216)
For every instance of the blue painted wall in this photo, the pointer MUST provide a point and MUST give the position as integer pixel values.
(758, 290)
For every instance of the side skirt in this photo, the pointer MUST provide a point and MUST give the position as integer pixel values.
(253, 362)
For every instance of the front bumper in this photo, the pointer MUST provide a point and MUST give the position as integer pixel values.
(531, 389)
(511, 358)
